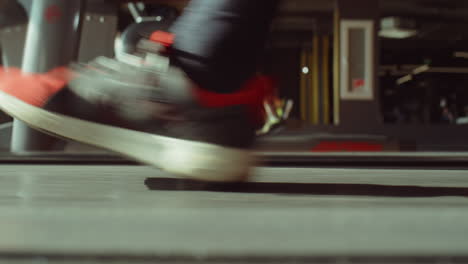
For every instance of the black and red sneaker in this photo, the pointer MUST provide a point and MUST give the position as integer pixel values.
(148, 111)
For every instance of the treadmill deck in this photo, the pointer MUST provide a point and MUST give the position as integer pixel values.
(129, 211)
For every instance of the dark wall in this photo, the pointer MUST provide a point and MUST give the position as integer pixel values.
(284, 65)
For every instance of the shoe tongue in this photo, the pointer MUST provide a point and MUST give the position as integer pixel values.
(157, 62)
(150, 46)
(130, 59)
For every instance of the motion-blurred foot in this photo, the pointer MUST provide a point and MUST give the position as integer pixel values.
(150, 112)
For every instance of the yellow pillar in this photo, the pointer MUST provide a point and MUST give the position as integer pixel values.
(314, 95)
(303, 88)
(325, 80)
(336, 69)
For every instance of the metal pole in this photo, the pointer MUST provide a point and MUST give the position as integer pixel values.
(52, 40)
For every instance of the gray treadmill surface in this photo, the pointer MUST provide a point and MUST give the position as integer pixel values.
(109, 211)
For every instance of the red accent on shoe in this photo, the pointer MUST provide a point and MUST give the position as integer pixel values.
(34, 89)
(253, 94)
(347, 146)
(164, 38)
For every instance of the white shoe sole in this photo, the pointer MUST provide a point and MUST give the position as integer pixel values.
(189, 159)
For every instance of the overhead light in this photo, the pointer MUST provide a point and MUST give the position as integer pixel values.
(421, 69)
(397, 28)
(461, 54)
(405, 79)
(397, 33)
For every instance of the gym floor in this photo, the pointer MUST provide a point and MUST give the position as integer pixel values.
(136, 214)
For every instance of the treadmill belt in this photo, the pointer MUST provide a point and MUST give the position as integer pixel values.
(136, 214)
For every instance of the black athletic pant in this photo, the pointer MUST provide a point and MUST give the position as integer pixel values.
(219, 42)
